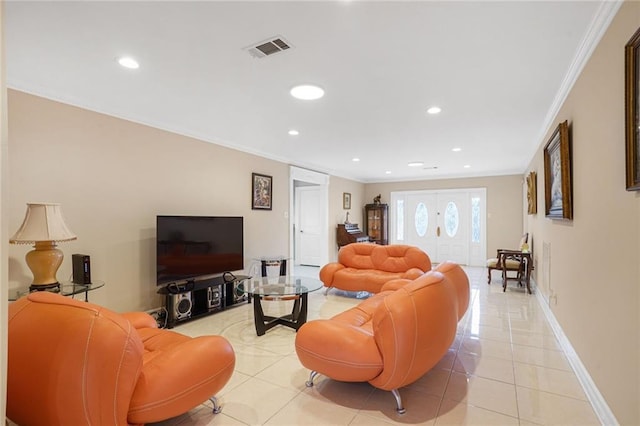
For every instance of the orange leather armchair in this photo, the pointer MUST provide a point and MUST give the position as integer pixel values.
(366, 266)
(392, 338)
(76, 363)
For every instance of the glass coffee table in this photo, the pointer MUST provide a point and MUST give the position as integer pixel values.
(280, 288)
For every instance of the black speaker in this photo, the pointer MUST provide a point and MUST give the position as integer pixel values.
(214, 299)
(182, 305)
(81, 269)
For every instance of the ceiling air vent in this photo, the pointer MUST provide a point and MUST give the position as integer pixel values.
(268, 47)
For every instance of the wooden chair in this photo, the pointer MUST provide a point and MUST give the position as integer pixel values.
(511, 263)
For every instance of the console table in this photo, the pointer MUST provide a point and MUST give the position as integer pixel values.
(66, 288)
(526, 266)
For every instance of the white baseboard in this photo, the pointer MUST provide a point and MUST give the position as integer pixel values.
(600, 406)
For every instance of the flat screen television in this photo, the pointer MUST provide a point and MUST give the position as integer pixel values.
(191, 247)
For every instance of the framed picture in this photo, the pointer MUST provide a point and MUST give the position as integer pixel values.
(532, 189)
(557, 174)
(632, 107)
(346, 200)
(261, 191)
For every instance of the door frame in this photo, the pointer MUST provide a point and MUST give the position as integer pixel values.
(322, 180)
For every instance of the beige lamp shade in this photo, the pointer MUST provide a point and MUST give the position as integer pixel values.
(43, 226)
(42, 222)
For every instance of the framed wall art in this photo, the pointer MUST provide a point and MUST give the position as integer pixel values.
(261, 192)
(557, 174)
(346, 200)
(532, 189)
(632, 111)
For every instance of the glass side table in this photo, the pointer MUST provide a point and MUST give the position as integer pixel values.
(66, 288)
(280, 288)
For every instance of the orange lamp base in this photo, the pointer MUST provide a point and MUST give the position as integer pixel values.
(44, 262)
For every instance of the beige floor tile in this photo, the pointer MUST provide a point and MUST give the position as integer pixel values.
(287, 372)
(446, 363)
(348, 395)
(256, 401)
(251, 360)
(542, 357)
(484, 393)
(421, 407)
(537, 340)
(307, 410)
(364, 420)
(454, 413)
(434, 382)
(487, 347)
(551, 409)
(545, 379)
(485, 366)
(501, 334)
(535, 326)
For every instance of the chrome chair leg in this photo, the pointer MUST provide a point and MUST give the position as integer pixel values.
(217, 409)
(396, 395)
(327, 291)
(309, 383)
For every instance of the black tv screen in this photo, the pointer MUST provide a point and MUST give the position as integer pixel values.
(189, 247)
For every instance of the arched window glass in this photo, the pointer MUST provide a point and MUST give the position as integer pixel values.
(421, 219)
(451, 219)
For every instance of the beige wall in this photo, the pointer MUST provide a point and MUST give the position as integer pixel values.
(593, 275)
(504, 203)
(337, 214)
(113, 177)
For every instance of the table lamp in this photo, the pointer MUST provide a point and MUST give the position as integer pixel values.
(43, 226)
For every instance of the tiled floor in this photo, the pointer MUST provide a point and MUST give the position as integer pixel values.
(505, 367)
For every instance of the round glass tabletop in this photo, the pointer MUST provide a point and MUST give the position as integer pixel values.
(280, 286)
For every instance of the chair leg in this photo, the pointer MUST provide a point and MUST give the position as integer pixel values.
(217, 409)
(400, 409)
(489, 276)
(309, 383)
(327, 291)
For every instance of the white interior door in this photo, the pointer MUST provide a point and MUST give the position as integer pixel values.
(308, 225)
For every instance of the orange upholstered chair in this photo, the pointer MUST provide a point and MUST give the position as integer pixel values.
(76, 363)
(390, 339)
(366, 266)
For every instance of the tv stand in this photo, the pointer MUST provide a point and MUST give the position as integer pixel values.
(201, 296)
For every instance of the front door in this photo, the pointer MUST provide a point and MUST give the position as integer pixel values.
(445, 224)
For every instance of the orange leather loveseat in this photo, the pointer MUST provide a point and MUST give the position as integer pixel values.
(366, 266)
(392, 338)
(76, 363)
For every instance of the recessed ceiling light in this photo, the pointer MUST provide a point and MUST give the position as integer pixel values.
(307, 92)
(467, 166)
(128, 62)
(355, 160)
(294, 132)
(456, 149)
(434, 110)
(388, 172)
(416, 164)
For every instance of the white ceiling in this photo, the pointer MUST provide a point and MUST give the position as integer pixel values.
(498, 70)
